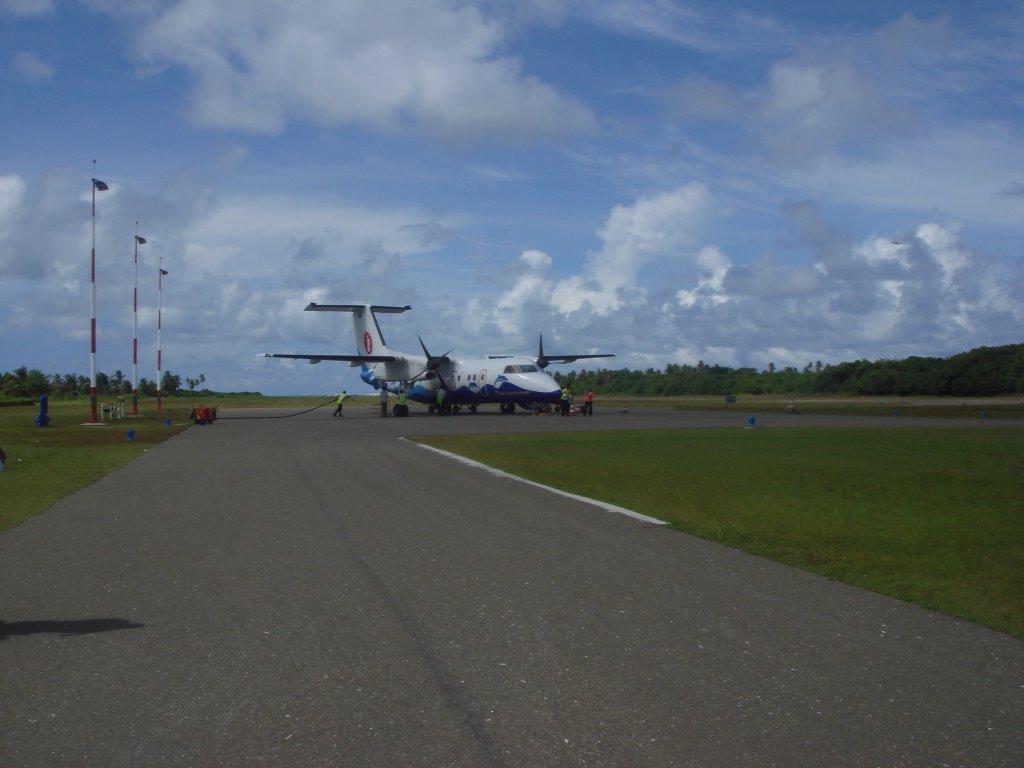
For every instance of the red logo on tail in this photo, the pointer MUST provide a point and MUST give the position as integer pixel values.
(368, 343)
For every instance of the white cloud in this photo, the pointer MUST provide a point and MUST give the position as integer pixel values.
(29, 66)
(537, 261)
(263, 236)
(962, 170)
(430, 66)
(27, 7)
(662, 226)
(658, 227)
(710, 289)
(12, 194)
(894, 299)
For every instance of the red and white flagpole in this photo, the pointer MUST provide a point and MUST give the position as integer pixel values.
(135, 326)
(96, 185)
(159, 311)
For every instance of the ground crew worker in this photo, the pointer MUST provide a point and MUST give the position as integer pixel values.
(403, 403)
(588, 402)
(341, 402)
(566, 400)
(384, 401)
(440, 401)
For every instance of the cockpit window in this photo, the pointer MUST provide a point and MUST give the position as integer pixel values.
(520, 368)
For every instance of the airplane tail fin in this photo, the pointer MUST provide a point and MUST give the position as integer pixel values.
(368, 338)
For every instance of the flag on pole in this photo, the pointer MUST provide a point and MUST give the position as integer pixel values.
(164, 272)
(100, 185)
(140, 240)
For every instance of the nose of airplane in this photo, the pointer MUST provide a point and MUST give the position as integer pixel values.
(542, 384)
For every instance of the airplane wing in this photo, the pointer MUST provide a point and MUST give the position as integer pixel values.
(546, 359)
(314, 359)
(568, 358)
(543, 361)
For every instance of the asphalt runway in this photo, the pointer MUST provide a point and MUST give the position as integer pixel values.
(313, 591)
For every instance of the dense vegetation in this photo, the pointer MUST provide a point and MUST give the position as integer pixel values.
(981, 372)
(23, 383)
(984, 371)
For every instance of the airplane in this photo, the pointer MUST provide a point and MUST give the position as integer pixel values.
(508, 380)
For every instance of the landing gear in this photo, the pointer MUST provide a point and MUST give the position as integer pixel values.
(508, 407)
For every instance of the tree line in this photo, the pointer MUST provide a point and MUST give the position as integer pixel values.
(31, 383)
(985, 371)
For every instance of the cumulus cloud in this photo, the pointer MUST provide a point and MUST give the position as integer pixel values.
(710, 289)
(430, 66)
(877, 297)
(665, 226)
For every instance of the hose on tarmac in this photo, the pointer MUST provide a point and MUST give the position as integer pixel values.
(282, 416)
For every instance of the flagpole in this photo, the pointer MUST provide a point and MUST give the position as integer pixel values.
(96, 185)
(135, 326)
(159, 311)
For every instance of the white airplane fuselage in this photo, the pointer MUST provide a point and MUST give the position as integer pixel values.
(469, 382)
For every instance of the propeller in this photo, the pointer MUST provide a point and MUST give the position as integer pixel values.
(542, 362)
(433, 363)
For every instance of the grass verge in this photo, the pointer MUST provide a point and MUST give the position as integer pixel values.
(969, 409)
(44, 464)
(932, 516)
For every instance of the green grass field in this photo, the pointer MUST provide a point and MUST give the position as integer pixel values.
(971, 409)
(933, 516)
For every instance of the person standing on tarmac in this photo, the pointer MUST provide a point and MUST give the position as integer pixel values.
(588, 402)
(403, 403)
(566, 400)
(384, 402)
(341, 402)
(440, 401)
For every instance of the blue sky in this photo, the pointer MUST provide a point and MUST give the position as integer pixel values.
(738, 183)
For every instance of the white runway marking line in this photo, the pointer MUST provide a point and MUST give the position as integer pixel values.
(595, 502)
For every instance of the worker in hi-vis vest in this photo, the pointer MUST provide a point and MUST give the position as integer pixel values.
(341, 402)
